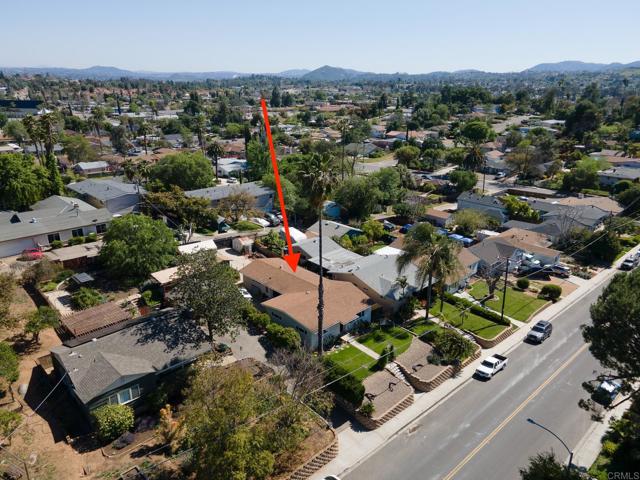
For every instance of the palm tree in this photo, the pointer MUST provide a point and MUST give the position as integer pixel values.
(433, 254)
(143, 129)
(35, 134)
(215, 151)
(319, 175)
(96, 119)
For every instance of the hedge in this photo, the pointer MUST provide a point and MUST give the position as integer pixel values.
(343, 383)
(112, 421)
(523, 283)
(283, 337)
(552, 292)
(478, 310)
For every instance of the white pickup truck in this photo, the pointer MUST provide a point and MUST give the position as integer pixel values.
(490, 366)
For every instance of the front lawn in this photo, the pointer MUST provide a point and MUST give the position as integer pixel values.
(423, 326)
(358, 363)
(381, 337)
(243, 226)
(519, 305)
(473, 323)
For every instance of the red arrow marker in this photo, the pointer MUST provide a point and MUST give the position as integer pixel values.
(291, 258)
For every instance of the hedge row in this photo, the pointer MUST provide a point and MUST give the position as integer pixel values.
(343, 383)
(477, 309)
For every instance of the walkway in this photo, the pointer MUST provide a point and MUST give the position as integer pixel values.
(362, 348)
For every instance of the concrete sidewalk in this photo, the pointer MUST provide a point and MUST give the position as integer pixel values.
(357, 444)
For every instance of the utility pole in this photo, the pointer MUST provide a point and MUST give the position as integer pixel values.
(504, 290)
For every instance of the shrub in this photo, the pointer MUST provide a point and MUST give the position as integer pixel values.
(147, 298)
(344, 384)
(260, 320)
(56, 244)
(523, 283)
(76, 240)
(283, 337)
(48, 286)
(92, 237)
(8, 363)
(112, 421)
(367, 409)
(63, 275)
(452, 346)
(609, 448)
(552, 292)
(43, 271)
(388, 355)
(85, 298)
(8, 421)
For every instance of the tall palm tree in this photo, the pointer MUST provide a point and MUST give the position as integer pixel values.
(433, 254)
(319, 175)
(96, 120)
(32, 126)
(215, 151)
(143, 129)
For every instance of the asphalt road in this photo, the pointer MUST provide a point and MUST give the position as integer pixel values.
(481, 431)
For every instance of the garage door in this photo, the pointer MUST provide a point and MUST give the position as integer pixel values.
(15, 247)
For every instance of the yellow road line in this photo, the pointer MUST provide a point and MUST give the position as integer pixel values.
(520, 407)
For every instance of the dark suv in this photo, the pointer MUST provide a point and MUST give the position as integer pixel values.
(540, 332)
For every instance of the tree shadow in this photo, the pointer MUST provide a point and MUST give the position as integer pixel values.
(176, 331)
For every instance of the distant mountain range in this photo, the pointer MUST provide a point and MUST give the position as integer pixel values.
(325, 73)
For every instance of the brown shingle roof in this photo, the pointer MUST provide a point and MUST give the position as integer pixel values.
(94, 319)
(278, 276)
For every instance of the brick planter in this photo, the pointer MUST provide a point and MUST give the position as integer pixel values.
(492, 342)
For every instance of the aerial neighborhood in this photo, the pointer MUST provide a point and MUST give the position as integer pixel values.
(417, 257)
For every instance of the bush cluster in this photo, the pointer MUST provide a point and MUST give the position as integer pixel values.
(283, 337)
(344, 384)
(112, 421)
(552, 292)
(523, 283)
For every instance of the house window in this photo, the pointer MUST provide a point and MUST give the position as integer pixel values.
(52, 237)
(125, 396)
(77, 232)
(101, 228)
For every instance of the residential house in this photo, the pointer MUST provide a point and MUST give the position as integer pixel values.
(518, 246)
(124, 366)
(612, 176)
(92, 168)
(117, 197)
(360, 149)
(14, 108)
(487, 204)
(54, 218)
(333, 229)
(377, 276)
(228, 166)
(263, 196)
(439, 218)
(586, 215)
(495, 162)
(468, 267)
(290, 298)
(333, 255)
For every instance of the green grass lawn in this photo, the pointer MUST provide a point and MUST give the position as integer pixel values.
(478, 325)
(423, 326)
(519, 305)
(380, 338)
(350, 358)
(244, 225)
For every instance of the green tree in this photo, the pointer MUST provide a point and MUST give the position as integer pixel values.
(358, 197)
(120, 139)
(56, 186)
(520, 209)
(614, 334)
(258, 159)
(189, 171)
(583, 175)
(78, 149)
(373, 229)
(7, 288)
(452, 346)
(84, 298)
(468, 221)
(135, 246)
(112, 421)
(16, 130)
(407, 155)
(389, 182)
(215, 151)
(22, 182)
(434, 255)
(630, 199)
(8, 363)
(41, 319)
(464, 180)
(208, 289)
(585, 117)
(544, 466)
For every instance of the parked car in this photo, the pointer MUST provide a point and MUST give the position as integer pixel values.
(331, 477)
(32, 254)
(260, 221)
(388, 226)
(273, 220)
(500, 175)
(245, 294)
(629, 263)
(559, 270)
(405, 228)
(490, 366)
(606, 392)
(231, 180)
(540, 332)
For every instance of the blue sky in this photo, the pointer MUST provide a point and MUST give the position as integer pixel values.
(249, 36)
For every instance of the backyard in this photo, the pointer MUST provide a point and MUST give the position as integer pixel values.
(473, 323)
(519, 305)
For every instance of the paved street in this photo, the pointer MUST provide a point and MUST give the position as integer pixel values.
(481, 431)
